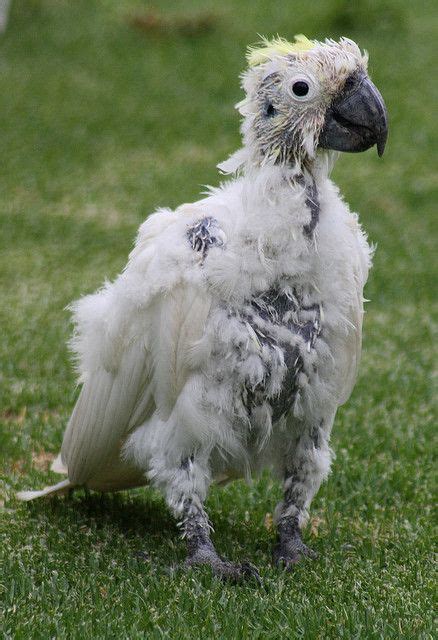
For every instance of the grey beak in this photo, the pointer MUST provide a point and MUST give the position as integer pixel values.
(357, 119)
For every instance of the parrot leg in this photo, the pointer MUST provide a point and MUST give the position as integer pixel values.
(303, 477)
(196, 529)
(290, 548)
(186, 488)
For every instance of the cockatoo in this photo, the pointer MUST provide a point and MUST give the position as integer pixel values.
(234, 332)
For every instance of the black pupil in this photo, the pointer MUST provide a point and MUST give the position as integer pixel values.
(300, 88)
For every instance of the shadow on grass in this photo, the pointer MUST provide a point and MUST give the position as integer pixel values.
(142, 519)
(131, 514)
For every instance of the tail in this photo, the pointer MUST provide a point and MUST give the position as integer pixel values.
(116, 476)
(60, 488)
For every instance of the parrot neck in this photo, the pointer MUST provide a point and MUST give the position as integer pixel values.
(282, 203)
(243, 162)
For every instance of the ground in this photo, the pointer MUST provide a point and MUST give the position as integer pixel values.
(108, 110)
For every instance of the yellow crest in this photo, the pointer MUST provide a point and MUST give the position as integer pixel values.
(268, 49)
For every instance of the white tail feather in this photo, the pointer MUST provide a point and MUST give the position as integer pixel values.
(61, 487)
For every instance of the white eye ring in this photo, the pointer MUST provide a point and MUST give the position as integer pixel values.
(302, 88)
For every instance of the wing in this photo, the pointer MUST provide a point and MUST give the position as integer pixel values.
(132, 342)
(103, 414)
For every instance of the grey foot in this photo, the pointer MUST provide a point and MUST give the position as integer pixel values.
(287, 554)
(224, 569)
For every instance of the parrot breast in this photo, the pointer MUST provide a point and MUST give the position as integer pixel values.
(262, 349)
(277, 320)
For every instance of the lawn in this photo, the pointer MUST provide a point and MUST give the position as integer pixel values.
(108, 110)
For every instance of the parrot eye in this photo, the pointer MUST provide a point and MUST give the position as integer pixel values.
(300, 88)
(303, 88)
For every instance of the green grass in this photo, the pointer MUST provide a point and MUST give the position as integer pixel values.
(99, 124)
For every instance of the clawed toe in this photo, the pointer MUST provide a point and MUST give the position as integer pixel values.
(224, 569)
(288, 555)
(236, 572)
(249, 572)
(310, 553)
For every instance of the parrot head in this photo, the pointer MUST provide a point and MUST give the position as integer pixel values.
(308, 95)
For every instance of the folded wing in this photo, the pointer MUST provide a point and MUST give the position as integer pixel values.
(131, 341)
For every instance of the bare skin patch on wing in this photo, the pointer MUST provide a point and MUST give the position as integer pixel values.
(205, 234)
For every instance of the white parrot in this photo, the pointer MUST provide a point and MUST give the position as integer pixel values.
(234, 332)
